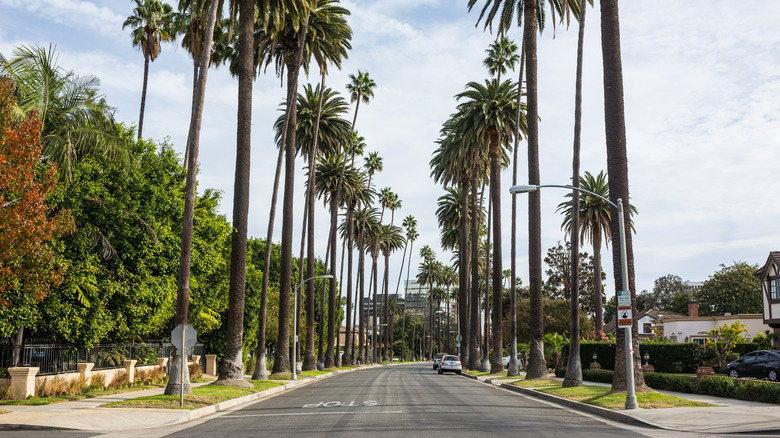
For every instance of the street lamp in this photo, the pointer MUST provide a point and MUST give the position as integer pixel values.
(631, 402)
(295, 323)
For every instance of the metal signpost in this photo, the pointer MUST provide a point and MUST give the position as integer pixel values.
(627, 322)
(183, 337)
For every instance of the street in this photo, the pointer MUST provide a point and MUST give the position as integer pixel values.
(402, 401)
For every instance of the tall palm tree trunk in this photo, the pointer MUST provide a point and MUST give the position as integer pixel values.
(475, 329)
(360, 304)
(537, 367)
(617, 168)
(485, 365)
(385, 308)
(232, 368)
(348, 341)
(597, 285)
(261, 372)
(183, 287)
(495, 191)
(513, 369)
(374, 316)
(463, 272)
(143, 98)
(330, 360)
(573, 365)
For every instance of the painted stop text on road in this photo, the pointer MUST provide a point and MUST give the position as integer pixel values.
(338, 404)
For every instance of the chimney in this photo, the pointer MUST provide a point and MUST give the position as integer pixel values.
(693, 309)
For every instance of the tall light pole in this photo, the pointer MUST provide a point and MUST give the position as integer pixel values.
(631, 402)
(295, 323)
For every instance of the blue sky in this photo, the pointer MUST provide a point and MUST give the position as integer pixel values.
(702, 92)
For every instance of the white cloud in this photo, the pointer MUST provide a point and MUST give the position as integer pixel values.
(73, 14)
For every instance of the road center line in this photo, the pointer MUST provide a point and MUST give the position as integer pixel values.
(310, 413)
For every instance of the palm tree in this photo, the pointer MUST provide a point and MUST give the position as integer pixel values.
(151, 22)
(327, 183)
(410, 224)
(573, 365)
(536, 367)
(361, 88)
(502, 55)
(617, 168)
(75, 120)
(426, 275)
(366, 223)
(193, 140)
(391, 239)
(489, 113)
(394, 309)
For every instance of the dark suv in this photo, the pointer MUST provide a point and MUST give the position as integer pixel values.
(762, 364)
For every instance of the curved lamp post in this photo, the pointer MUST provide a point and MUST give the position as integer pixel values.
(295, 323)
(631, 402)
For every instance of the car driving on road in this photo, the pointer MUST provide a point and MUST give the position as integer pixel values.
(450, 364)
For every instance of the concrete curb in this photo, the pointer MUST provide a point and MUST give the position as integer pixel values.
(594, 410)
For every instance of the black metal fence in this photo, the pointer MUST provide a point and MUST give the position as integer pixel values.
(53, 358)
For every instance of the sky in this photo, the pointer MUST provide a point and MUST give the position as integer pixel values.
(702, 102)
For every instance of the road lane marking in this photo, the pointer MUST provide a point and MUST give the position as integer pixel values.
(309, 413)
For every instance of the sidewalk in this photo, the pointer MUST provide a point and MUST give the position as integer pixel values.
(87, 415)
(731, 416)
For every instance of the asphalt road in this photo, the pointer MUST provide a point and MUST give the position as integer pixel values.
(401, 401)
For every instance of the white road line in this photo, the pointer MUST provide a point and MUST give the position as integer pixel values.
(310, 413)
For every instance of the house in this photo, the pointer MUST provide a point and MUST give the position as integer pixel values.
(769, 274)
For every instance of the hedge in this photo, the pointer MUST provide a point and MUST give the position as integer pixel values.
(726, 387)
(665, 358)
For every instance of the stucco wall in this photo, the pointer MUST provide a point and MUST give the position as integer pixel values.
(687, 327)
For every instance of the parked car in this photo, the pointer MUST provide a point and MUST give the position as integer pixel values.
(519, 360)
(450, 363)
(437, 360)
(762, 364)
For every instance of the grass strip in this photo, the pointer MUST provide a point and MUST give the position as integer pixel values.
(202, 396)
(41, 401)
(601, 396)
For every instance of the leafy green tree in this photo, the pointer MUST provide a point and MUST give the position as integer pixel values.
(723, 339)
(664, 291)
(733, 289)
(151, 22)
(553, 348)
(558, 273)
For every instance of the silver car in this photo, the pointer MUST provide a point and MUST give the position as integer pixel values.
(450, 364)
(437, 360)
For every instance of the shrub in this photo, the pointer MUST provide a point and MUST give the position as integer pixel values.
(195, 371)
(605, 352)
(7, 393)
(149, 377)
(98, 380)
(717, 386)
(120, 380)
(671, 382)
(603, 376)
(756, 390)
(59, 386)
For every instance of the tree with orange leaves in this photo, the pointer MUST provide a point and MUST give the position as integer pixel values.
(28, 265)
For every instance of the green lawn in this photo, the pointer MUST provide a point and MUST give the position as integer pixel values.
(600, 396)
(201, 396)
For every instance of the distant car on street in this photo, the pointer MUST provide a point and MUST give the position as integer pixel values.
(450, 364)
(437, 360)
(519, 360)
(762, 364)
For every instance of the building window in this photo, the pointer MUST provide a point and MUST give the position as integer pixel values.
(647, 328)
(774, 287)
(700, 341)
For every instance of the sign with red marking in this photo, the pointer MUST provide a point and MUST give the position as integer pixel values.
(624, 317)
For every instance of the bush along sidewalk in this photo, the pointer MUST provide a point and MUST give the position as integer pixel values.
(726, 387)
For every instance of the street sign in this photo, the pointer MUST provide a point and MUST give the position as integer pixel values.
(624, 316)
(190, 338)
(623, 298)
(459, 338)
